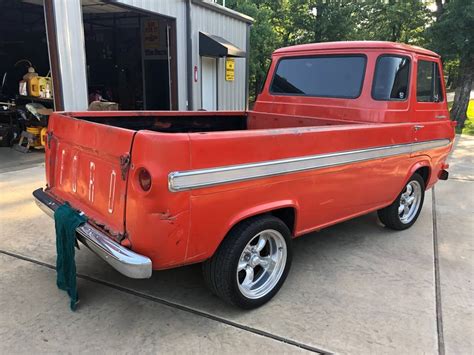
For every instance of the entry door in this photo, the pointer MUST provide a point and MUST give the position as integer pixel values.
(209, 83)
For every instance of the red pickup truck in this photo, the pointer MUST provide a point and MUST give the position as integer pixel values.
(339, 130)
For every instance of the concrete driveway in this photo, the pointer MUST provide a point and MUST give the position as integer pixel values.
(354, 288)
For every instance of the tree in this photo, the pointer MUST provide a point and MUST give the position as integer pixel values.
(325, 21)
(396, 21)
(448, 31)
(452, 36)
(263, 41)
(280, 23)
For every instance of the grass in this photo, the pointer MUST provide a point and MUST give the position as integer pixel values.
(469, 123)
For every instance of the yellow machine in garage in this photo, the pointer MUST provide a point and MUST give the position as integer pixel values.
(37, 136)
(36, 128)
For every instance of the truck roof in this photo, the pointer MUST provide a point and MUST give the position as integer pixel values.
(355, 45)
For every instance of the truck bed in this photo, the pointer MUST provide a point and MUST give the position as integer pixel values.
(89, 153)
(202, 121)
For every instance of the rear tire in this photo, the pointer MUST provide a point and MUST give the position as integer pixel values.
(406, 208)
(252, 262)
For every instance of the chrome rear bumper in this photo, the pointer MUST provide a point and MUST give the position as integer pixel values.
(120, 258)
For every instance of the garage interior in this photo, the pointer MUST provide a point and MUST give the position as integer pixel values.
(130, 54)
(131, 57)
(22, 41)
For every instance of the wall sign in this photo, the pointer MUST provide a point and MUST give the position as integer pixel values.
(229, 69)
(151, 38)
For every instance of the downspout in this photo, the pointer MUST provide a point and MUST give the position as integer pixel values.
(247, 66)
(189, 56)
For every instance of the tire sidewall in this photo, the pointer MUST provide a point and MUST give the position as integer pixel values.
(245, 237)
(419, 179)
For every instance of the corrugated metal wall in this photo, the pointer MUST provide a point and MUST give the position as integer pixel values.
(230, 94)
(177, 10)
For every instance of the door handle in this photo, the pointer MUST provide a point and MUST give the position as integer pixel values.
(418, 127)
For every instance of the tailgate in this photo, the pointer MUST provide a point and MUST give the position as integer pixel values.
(86, 165)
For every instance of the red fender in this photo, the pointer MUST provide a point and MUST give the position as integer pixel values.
(264, 208)
(425, 162)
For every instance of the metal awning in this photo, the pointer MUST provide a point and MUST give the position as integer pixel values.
(215, 46)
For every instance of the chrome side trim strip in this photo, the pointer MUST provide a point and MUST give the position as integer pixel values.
(194, 179)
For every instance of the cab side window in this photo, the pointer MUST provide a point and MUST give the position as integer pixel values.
(391, 78)
(428, 85)
(336, 76)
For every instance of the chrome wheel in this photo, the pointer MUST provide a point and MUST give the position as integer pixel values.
(410, 201)
(261, 264)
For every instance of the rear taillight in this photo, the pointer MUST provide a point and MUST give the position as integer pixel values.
(144, 179)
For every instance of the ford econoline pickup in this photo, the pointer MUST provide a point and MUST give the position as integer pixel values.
(339, 130)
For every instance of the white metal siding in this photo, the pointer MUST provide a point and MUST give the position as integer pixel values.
(230, 94)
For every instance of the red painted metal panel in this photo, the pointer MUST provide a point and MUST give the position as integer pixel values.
(83, 168)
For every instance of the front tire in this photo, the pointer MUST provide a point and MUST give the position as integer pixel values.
(406, 208)
(251, 263)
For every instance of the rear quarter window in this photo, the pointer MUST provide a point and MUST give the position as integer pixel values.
(391, 78)
(320, 76)
(428, 85)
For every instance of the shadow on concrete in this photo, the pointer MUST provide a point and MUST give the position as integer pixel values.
(12, 160)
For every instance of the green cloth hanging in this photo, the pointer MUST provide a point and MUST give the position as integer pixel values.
(66, 220)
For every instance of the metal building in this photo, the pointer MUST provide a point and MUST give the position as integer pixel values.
(194, 53)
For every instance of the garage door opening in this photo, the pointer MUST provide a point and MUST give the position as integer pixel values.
(131, 57)
(23, 44)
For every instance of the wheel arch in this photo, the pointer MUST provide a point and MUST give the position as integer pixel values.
(286, 210)
(423, 168)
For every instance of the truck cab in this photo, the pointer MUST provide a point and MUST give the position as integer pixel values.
(378, 82)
